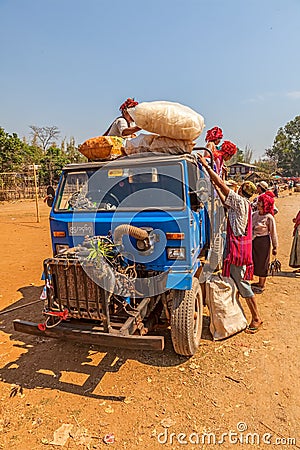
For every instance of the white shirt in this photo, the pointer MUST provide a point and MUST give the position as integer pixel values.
(118, 126)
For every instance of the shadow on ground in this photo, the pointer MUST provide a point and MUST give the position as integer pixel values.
(44, 361)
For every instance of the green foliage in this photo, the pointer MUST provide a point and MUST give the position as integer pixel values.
(100, 249)
(265, 166)
(285, 151)
(14, 153)
(52, 163)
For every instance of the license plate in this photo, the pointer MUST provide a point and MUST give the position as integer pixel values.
(81, 229)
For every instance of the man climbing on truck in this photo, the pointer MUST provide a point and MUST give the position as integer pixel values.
(238, 262)
(124, 125)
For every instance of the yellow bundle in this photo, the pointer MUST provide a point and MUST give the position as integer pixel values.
(102, 147)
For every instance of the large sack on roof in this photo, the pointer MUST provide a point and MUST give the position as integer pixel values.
(168, 119)
(157, 144)
(139, 144)
(102, 147)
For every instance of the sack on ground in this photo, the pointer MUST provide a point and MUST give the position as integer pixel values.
(145, 143)
(168, 119)
(102, 147)
(226, 313)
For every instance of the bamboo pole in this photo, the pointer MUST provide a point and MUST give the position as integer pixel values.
(36, 195)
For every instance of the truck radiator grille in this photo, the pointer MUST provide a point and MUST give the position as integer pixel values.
(72, 288)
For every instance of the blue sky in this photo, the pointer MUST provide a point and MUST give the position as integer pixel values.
(71, 63)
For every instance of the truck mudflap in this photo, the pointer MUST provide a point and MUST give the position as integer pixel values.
(88, 334)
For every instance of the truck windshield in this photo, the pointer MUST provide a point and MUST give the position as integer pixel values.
(112, 187)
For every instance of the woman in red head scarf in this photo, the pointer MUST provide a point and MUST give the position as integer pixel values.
(214, 135)
(227, 150)
(263, 234)
(124, 125)
(213, 138)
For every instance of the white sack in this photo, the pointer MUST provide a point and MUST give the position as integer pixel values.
(140, 144)
(152, 143)
(168, 119)
(226, 314)
(171, 146)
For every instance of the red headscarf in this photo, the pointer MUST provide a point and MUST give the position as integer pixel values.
(214, 134)
(228, 148)
(270, 194)
(130, 103)
(267, 203)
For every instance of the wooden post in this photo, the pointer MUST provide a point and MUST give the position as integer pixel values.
(36, 195)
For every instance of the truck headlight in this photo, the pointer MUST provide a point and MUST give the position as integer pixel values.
(61, 248)
(176, 252)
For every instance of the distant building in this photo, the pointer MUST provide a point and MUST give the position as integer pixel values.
(241, 170)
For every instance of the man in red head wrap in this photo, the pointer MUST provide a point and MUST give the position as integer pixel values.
(124, 125)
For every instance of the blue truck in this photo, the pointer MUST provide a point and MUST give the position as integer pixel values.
(129, 238)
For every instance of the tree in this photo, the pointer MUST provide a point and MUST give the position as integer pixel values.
(44, 135)
(15, 155)
(285, 151)
(72, 152)
(238, 157)
(248, 154)
(51, 164)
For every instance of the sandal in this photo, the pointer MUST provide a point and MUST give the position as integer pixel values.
(257, 289)
(253, 330)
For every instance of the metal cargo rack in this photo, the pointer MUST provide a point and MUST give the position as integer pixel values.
(91, 315)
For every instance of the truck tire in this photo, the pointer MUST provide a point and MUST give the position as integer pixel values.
(186, 319)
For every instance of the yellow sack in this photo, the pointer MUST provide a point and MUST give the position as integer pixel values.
(102, 147)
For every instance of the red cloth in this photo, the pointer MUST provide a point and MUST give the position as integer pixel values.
(297, 223)
(270, 193)
(228, 148)
(239, 250)
(130, 103)
(268, 203)
(214, 134)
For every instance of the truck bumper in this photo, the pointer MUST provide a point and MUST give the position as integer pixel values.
(87, 335)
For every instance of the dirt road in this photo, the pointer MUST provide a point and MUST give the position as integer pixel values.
(245, 387)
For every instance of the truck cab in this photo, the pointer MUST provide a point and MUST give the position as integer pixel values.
(129, 237)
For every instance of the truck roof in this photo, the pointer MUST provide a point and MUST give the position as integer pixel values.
(133, 160)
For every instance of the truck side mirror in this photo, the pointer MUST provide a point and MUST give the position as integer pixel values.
(202, 190)
(50, 196)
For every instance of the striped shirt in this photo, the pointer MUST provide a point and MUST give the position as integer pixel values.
(238, 208)
(239, 235)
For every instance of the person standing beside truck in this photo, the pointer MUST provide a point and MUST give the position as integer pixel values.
(264, 234)
(124, 126)
(295, 250)
(238, 263)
